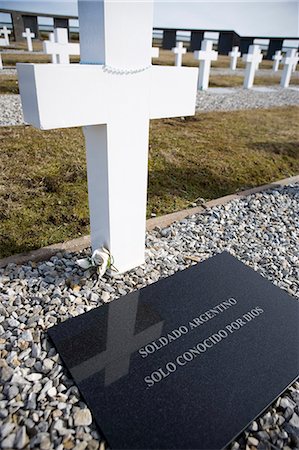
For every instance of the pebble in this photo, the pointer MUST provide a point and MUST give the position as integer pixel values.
(295, 421)
(21, 438)
(82, 417)
(37, 393)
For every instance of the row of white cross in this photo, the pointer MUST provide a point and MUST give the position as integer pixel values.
(252, 59)
(28, 35)
(60, 50)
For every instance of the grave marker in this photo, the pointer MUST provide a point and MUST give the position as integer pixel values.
(28, 35)
(155, 52)
(53, 55)
(296, 62)
(276, 58)
(6, 32)
(234, 55)
(113, 93)
(205, 56)
(187, 362)
(252, 59)
(289, 60)
(60, 46)
(179, 51)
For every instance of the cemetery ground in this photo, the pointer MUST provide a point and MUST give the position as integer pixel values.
(44, 192)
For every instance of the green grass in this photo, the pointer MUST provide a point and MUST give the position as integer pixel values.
(43, 189)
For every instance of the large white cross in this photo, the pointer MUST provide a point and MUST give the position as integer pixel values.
(6, 32)
(252, 59)
(60, 47)
(113, 93)
(276, 58)
(121, 340)
(179, 51)
(205, 56)
(289, 60)
(28, 35)
(234, 55)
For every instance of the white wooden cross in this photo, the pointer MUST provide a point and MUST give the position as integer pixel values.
(28, 35)
(289, 60)
(205, 56)
(296, 62)
(276, 58)
(252, 59)
(53, 55)
(179, 51)
(234, 55)
(155, 52)
(60, 47)
(113, 93)
(6, 32)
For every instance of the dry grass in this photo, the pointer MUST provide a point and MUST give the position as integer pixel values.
(43, 191)
(8, 83)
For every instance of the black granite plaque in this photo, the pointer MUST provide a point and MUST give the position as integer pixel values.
(187, 362)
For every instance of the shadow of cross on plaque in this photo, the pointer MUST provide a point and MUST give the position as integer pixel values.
(113, 94)
(128, 327)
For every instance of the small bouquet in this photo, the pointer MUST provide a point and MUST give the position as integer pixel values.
(100, 259)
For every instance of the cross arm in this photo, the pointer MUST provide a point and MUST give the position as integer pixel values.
(172, 91)
(62, 95)
(71, 95)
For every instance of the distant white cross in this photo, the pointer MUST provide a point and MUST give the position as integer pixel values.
(179, 51)
(252, 59)
(6, 32)
(155, 52)
(53, 55)
(276, 58)
(60, 47)
(289, 60)
(296, 62)
(113, 93)
(234, 55)
(121, 342)
(28, 35)
(205, 56)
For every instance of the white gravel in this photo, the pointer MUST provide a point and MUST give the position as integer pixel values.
(39, 405)
(230, 99)
(6, 71)
(11, 110)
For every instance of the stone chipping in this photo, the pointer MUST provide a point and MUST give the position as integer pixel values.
(10, 110)
(233, 99)
(40, 407)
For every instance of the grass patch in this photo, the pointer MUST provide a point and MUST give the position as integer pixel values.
(238, 80)
(43, 189)
(9, 84)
